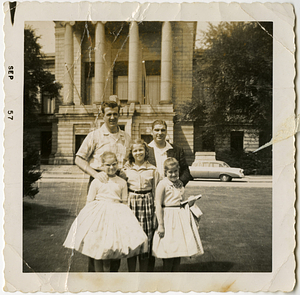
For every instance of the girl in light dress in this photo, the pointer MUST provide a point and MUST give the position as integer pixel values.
(177, 234)
(106, 229)
(142, 178)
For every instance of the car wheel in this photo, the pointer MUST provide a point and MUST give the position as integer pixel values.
(225, 177)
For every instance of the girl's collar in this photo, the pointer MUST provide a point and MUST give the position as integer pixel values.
(177, 184)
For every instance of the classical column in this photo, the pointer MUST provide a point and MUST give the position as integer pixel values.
(166, 63)
(99, 62)
(133, 64)
(69, 68)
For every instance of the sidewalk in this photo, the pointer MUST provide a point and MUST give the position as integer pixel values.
(258, 178)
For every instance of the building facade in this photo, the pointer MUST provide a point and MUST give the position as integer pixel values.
(147, 67)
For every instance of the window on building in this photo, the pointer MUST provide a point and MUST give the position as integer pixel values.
(87, 90)
(151, 81)
(46, 144)
(120, 81)
(48, 104)
(237, 140)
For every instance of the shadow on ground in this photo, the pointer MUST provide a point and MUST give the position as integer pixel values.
(36, 215)
(189, 265)
(210, 266)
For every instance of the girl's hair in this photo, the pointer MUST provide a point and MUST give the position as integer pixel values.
(144, 144)
(108, 154)
(170, 163)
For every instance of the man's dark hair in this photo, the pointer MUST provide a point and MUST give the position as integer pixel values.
(109, 104)
(159, 122)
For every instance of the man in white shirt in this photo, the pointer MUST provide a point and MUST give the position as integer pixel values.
(109, 137)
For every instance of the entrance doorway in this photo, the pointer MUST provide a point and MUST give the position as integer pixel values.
(79, 138)
(46, 144)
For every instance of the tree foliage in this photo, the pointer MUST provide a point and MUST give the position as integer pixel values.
(36, 80)
(233, 76)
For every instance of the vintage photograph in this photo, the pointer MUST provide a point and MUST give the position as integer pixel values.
(149, 145)
(148, 82)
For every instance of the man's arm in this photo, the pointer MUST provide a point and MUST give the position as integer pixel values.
(185, 175)
(85, 167)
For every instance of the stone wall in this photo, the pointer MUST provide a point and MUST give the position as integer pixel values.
(184, 137)
(183, 48)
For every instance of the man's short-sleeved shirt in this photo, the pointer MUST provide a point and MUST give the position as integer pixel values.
(101, 140)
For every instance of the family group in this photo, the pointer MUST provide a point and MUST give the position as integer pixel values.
(135, 205)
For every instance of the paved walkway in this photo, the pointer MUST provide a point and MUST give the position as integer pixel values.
(71, 173)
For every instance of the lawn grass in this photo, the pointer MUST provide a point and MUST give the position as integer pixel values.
(236, 230)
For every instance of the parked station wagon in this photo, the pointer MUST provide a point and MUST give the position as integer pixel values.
(215, 169)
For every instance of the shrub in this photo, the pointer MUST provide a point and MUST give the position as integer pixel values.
(31, 166)
(259, 163)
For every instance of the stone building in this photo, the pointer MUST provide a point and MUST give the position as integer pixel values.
(146, 66)
(239, 136)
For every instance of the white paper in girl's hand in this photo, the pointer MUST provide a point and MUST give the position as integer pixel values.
(191, 198)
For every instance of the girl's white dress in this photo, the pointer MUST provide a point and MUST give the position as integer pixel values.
(106, 228)
(181, 237)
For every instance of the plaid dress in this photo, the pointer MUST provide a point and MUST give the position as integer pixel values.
(142, 206)
(142, 181)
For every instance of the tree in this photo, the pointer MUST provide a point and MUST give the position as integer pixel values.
(36, 80)
(233, 77)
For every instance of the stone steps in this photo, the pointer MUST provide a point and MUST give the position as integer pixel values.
(62, 171)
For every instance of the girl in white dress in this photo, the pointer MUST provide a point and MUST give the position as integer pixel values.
(106, 229)
(177, 234)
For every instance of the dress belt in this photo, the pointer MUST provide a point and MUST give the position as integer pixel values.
(140, 192)
(172, 206)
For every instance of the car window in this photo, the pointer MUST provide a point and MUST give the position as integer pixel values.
(225, 164)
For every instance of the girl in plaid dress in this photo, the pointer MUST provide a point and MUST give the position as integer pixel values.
(142, 178)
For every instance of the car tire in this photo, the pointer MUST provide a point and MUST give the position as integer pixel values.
(224, 177)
